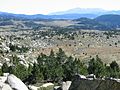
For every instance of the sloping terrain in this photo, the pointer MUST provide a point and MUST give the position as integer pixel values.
(84, 84)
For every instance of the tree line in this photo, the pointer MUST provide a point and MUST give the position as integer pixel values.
(59, 67)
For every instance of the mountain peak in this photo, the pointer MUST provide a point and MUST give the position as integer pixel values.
(81, 11)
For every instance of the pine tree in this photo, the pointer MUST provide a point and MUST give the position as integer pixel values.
(61, 57)
(96, 67)
(36, 74)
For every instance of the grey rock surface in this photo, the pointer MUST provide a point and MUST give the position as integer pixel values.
(16, 83)
(85, 84)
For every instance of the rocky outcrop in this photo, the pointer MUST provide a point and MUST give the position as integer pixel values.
(57, 88)
(85, 84)
(4, 77)
(66, 85)
(16, 83)
(4, 86)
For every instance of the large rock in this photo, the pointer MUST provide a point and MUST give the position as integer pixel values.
(4, 77)
(57, 88)
(91, 77)
(5, 74)
(66, 85)
(16, 83)
(85, 84)
(4, 86)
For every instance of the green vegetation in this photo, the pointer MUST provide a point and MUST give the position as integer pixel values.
(14, 48)
(47, 88)
(33, 25)
(59, 66)
(96, 67)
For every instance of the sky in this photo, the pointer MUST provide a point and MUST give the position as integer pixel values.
(49, 6)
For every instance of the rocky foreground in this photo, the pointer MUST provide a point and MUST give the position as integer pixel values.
(11, 82)
(95, 84)
(79, 82)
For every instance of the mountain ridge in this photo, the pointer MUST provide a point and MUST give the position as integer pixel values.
(81, 11)
(68, 14)
(41, 16)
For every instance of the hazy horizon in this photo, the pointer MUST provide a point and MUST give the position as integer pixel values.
(50, 6)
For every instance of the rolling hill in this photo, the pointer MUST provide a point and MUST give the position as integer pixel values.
(103, 22)
(110, 19)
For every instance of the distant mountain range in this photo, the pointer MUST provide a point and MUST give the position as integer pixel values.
(95, 11)
(69, 14)
(94, 19)
(41, 16)
(103, 22)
